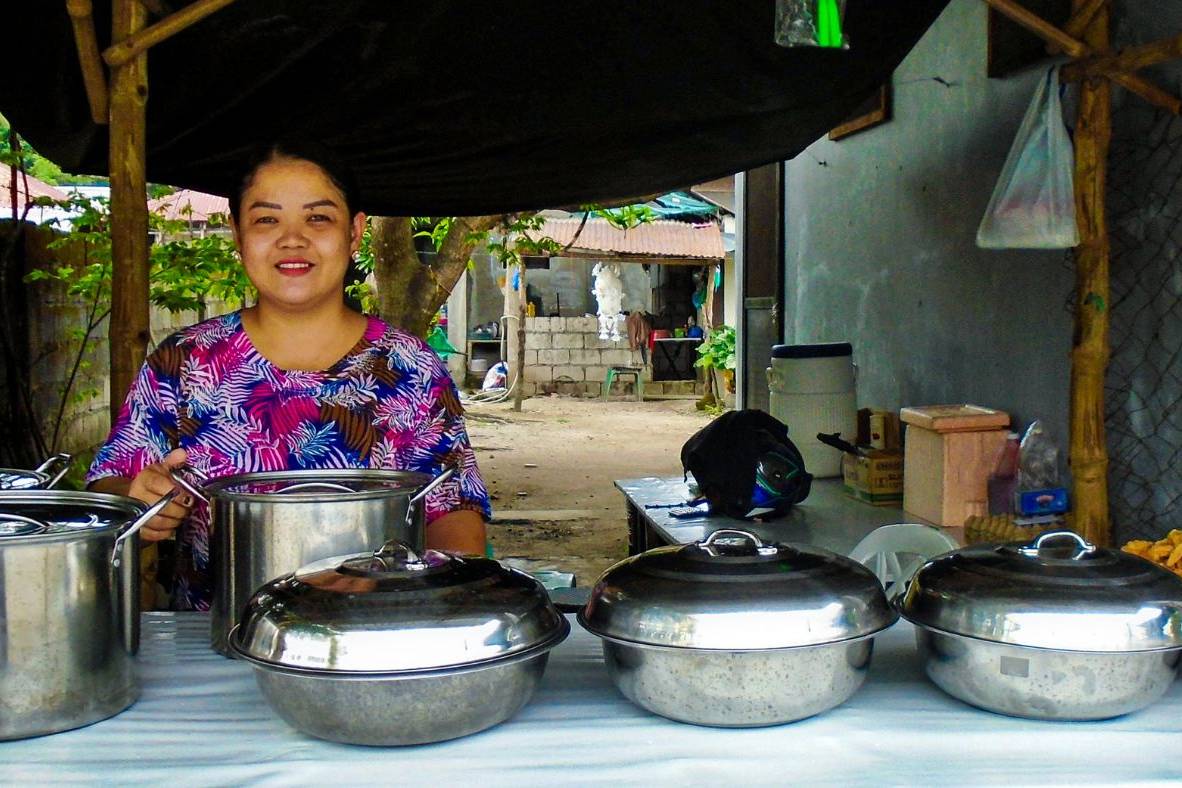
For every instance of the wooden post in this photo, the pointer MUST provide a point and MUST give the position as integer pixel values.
(1089, 357)
(522, 303)
(129, 208)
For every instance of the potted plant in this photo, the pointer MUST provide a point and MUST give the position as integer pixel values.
(717, 352)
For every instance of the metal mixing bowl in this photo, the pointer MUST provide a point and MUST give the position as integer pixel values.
(734, 632)
(1057, 629)
(396, 648)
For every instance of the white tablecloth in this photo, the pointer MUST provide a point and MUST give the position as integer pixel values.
(201, 721)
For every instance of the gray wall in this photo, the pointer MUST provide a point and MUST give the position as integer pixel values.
(880, 230)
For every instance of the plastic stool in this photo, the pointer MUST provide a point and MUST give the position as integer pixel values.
(895, 552)
(615, 372)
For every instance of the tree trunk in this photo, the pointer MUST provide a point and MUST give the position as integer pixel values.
(411, 291)
(522, 302)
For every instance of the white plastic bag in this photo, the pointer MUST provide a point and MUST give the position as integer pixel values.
(1033, 204)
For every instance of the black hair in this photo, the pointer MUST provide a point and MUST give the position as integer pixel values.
(304, 149)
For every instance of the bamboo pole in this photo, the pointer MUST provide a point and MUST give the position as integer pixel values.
(124, 50)
(1089, 356)
(1081, 17)
(522, 303)
(129, 208)
(1079, 49)
(1128, 59)
(82, 20)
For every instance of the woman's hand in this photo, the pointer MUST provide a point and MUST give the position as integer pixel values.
(153, 483)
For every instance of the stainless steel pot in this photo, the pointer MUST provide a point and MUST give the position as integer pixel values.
(1057, 629)
(734, 632)
(43, 477)
(268, 524)
(69, 608)
(392, 648)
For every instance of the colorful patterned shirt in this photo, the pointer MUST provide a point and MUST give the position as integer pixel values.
(389, 403)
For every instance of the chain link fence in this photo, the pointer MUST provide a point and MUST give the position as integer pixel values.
(1144, 384)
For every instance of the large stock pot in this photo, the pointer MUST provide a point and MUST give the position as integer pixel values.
(268, 524)
(1057, 629)
(734, 632)
(393, 647)
(43, 477)
(69, 608)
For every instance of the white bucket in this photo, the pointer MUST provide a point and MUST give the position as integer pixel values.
(478, 366)
(812, 390)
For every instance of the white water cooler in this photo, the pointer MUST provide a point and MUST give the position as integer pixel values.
(812, 390)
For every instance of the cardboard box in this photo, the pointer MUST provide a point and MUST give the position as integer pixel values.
(876, 475)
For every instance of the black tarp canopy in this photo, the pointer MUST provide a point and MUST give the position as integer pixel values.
(463, 108)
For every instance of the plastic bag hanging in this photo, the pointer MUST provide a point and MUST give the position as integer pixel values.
(1033, 204)
(810, 23)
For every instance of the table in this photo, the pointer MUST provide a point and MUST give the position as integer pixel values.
(202, 721)
(827, 518)
(676, 355)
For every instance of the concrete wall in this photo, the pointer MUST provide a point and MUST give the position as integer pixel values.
(880, 250)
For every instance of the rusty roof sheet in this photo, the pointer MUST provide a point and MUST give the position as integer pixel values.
(657, 239)
(202, 205)
(36, 188)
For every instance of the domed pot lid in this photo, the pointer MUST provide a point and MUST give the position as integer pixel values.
(1057, 592)
(395, 611)
(733, 591)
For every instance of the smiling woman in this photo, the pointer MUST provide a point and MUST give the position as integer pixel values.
(298, 381)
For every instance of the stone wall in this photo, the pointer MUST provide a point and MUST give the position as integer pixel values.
(566, 355)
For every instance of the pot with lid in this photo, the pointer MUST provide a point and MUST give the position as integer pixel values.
(732, 631)
(1056, 629)
(43, 477)
(396, 647)
(69, 608)
(267, 524)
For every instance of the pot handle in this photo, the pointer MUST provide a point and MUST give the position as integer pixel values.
(707, 544)
(421, 494)
(8, 517)
(1085, 547)
(63, 459)
(193, 488)
(125, 575)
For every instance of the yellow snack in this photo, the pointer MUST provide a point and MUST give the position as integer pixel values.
(1174, 557)
(1165, 552)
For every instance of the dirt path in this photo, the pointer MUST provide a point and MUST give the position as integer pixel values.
(550, 470)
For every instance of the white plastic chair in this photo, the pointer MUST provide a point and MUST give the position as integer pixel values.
(895, 552)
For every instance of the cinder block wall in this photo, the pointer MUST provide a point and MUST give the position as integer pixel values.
(566, 355)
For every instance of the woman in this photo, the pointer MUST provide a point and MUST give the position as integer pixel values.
(296, 381)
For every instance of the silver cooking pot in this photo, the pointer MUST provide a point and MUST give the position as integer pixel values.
(271, 523)
(1057, 629)
(69, 608)
(43, 477)
(393, 647)
(733, 632)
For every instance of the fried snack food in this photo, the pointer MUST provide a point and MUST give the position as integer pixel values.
(1166, 551)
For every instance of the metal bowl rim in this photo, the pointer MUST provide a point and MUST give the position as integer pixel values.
(217, 487)
(709, 650)
(1047, 649)
(535, 650)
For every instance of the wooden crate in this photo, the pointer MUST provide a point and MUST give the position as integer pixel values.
(950, 452)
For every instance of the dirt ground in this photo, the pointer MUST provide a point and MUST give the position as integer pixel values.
(550, 469)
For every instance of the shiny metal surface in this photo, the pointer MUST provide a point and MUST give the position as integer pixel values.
(733, 592)
(40, 478)
(738, 688)
(69, 622)
(1057, 592)
(1045, 684)
(401, 709)
(261, 530)
(396, 611)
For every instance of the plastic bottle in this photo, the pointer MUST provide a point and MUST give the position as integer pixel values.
(1003, 482)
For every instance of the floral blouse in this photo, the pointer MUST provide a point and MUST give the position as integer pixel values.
(389, 403)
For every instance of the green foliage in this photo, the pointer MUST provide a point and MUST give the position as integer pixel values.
(362, 291)
(718, 350)
(14, 150)
(627, 216)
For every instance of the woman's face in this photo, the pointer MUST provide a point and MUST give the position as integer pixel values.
(295, 235)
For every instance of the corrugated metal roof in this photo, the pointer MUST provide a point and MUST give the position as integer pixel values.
(37, 188)
(201, 204)
(659, 238)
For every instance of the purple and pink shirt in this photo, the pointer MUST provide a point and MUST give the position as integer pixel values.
(389, 403)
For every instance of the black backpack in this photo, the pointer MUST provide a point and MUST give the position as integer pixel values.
(723, 457)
